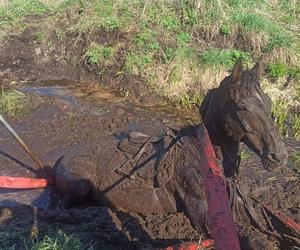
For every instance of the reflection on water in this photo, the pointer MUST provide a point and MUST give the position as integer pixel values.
(96, 100)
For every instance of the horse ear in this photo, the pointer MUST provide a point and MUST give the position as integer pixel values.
(237, 71)
(258, 68)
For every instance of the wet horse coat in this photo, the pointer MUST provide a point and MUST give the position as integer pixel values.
(165, 178)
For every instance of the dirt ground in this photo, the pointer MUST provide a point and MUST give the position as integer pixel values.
(71, 108)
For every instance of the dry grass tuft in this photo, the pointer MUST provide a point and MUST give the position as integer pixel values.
(285, 55)
(278, 92)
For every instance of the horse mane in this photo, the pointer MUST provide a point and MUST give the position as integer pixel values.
(247, 87)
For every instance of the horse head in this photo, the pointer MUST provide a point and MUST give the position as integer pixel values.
(239, 111)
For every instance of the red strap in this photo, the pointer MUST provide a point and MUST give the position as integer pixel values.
(220, 220)
(284, 218)
(22, 183)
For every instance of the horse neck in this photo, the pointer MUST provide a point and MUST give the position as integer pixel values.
(227, 150)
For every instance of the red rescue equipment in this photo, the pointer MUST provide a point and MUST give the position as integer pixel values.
(192, 246)
(22, 183)
(220, 219)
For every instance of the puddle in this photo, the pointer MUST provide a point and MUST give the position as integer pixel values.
(54, 91)
(95, 100)
(74, 96)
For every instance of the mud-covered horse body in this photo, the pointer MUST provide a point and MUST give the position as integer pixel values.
(164, 178)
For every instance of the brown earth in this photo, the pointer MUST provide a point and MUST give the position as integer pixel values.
(71, 107)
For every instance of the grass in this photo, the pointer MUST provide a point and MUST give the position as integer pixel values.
(165, 35)
(179, 48)
(39, 36)
(225, 29)
(252, 21)
(278, 69)
(295, 158)
(146, 40)
(136, 63)
(279, 39)
(106, 14)
(12, 102)
(284, 119)
(223, 59)
(99, 54)
(296, 126)
(12, 15)
(188, 101)
(245, 155)
(57, 241)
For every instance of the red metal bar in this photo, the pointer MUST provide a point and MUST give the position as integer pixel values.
(192, 246)
(22, 183)
(220, 220)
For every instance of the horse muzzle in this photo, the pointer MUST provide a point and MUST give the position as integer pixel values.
(271, 160)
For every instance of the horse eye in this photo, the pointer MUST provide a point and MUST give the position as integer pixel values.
(244, 107)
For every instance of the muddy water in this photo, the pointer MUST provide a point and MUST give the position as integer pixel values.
(61, 118)
(94, 100)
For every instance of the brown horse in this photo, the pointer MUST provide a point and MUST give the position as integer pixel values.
(238, 111)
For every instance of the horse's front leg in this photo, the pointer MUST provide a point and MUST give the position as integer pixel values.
(190, 192)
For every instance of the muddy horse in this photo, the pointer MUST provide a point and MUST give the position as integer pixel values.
(158, 173)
